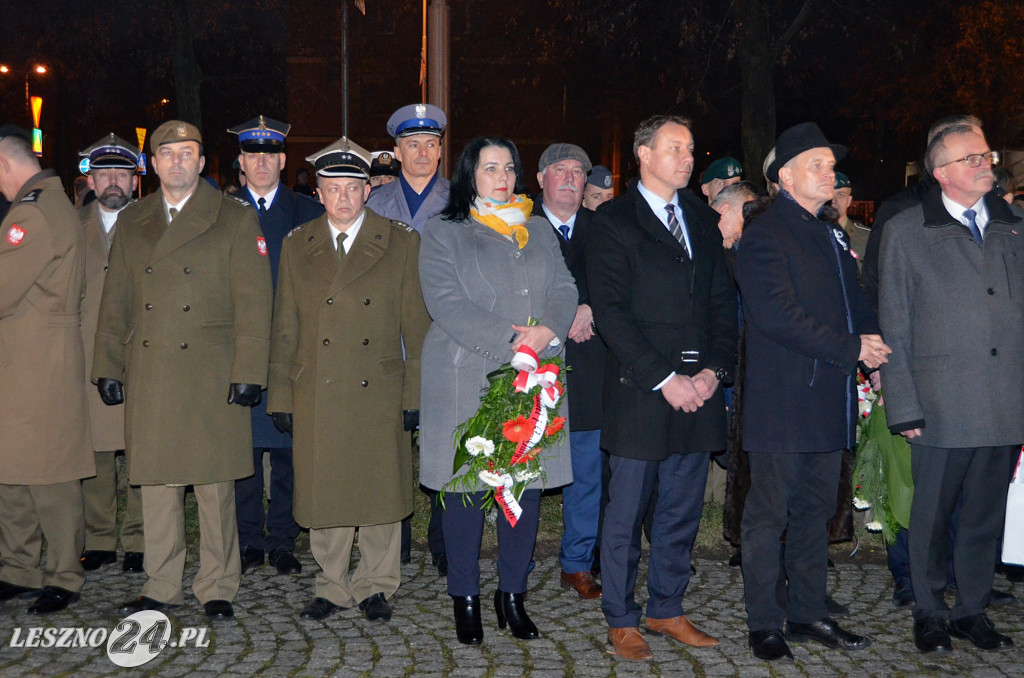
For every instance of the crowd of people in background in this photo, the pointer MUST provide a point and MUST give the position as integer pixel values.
(198, 331)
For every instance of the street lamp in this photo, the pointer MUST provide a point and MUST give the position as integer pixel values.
(30, 68)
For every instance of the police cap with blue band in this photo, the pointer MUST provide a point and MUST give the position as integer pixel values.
(261, 135)
(417, 119)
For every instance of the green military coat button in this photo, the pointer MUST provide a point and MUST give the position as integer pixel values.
(145, 343)
(364, 383)
(106, 268)
(186, 308)
(366, 342)
(149, 269)
(149, 307)
(366, 302)
(330, 301)
(188, 270)
(327, 342)
(184, 345)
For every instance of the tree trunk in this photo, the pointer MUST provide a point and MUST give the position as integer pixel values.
(187, 74)
(757, 64)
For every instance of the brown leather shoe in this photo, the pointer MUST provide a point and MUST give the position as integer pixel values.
(628, 644)
(682, 630)
(583, 582)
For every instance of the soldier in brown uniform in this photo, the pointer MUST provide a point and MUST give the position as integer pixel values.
(44, 429)
(185, 327)
(342, 316)
(111, 175)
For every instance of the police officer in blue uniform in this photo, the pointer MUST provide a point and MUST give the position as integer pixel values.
(262, 157)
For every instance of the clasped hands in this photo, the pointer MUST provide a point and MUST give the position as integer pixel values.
(690, 393)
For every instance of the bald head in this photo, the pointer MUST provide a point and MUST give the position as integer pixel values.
(17, 164)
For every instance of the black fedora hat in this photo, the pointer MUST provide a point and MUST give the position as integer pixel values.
(796, 140)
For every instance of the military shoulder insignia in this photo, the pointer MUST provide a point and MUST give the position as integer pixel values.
(402, 225)
(240, 201)
(32, 196)
(294, 231)
(15, 234)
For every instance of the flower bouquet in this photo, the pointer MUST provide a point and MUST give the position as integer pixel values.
(501, 443)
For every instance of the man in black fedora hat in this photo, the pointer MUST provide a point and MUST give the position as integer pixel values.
(808, 326)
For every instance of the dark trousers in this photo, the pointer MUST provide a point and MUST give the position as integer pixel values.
(463, 529)
(277, 520)
(681, 480)
(978, 477)
(435, 531)
(795, 495)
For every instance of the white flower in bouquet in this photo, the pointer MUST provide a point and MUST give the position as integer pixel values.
(873, 526)
(860, 504)
(491, 478)
(478, 445)
(525, 476)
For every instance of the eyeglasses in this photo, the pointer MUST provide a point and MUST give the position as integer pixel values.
(976, 159)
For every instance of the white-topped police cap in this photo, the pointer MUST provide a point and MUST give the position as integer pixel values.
(343, 158)
(417, 119)
(261, 135)
(112, 152)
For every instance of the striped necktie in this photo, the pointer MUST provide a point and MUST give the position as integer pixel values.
(675, 228)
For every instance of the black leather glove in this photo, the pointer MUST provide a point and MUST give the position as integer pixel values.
(111, 391)
(246, 395)
(410, 419)
(282, 421)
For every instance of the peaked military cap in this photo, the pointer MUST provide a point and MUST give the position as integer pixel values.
(174, 131)
(112, 152)
(723, 168)
(601, 177)
(842, 181)
(384, 164)
(261, 135)
(343, 158)
(417, 119)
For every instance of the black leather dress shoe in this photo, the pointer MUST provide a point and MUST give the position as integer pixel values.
(930, 636)
(8, 591)
(441, 563)
(510, 610)
(997, 597)
(285, 562)
(468, 627)
(132, 562)
(251, 558)
(979, 630)
(826, 632)
(94, 560)
(736, 559)
(769, 645)
(903, 594)
(53, 599)
(376, 608)
(218, 609)
(141, 603)
(320, 608)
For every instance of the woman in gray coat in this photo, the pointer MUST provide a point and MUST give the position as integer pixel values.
(487, 269)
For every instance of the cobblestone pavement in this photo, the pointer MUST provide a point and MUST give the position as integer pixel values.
(267, 637)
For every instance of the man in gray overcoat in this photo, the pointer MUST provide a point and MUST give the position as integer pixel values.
(952, 309)
(348, 301)
(185, 326)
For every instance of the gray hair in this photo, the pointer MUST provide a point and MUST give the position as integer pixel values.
(647, 130)
(935, 155)
(735, 194)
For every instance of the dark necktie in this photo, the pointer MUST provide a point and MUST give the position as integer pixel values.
(341, 246)
(565, 231)
(675, 228)
(174, 213)
(263, 206)
(973, 225)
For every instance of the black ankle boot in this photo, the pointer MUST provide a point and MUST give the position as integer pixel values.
(468, 628)
(509, 608)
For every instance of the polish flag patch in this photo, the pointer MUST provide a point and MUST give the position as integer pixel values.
(15, 235)
(261, 245)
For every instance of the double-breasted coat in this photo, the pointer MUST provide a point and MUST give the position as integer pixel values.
(289, 209)
(659, 312)
(107, 421)
(44, 426)
(803, 312)
(337, 364)
(389, 201)
(953, 314)
(477, 284)
(186, 313)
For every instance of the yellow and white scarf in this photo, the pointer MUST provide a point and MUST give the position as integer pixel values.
(505, 218)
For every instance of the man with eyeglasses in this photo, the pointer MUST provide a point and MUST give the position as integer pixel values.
(951, 304)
